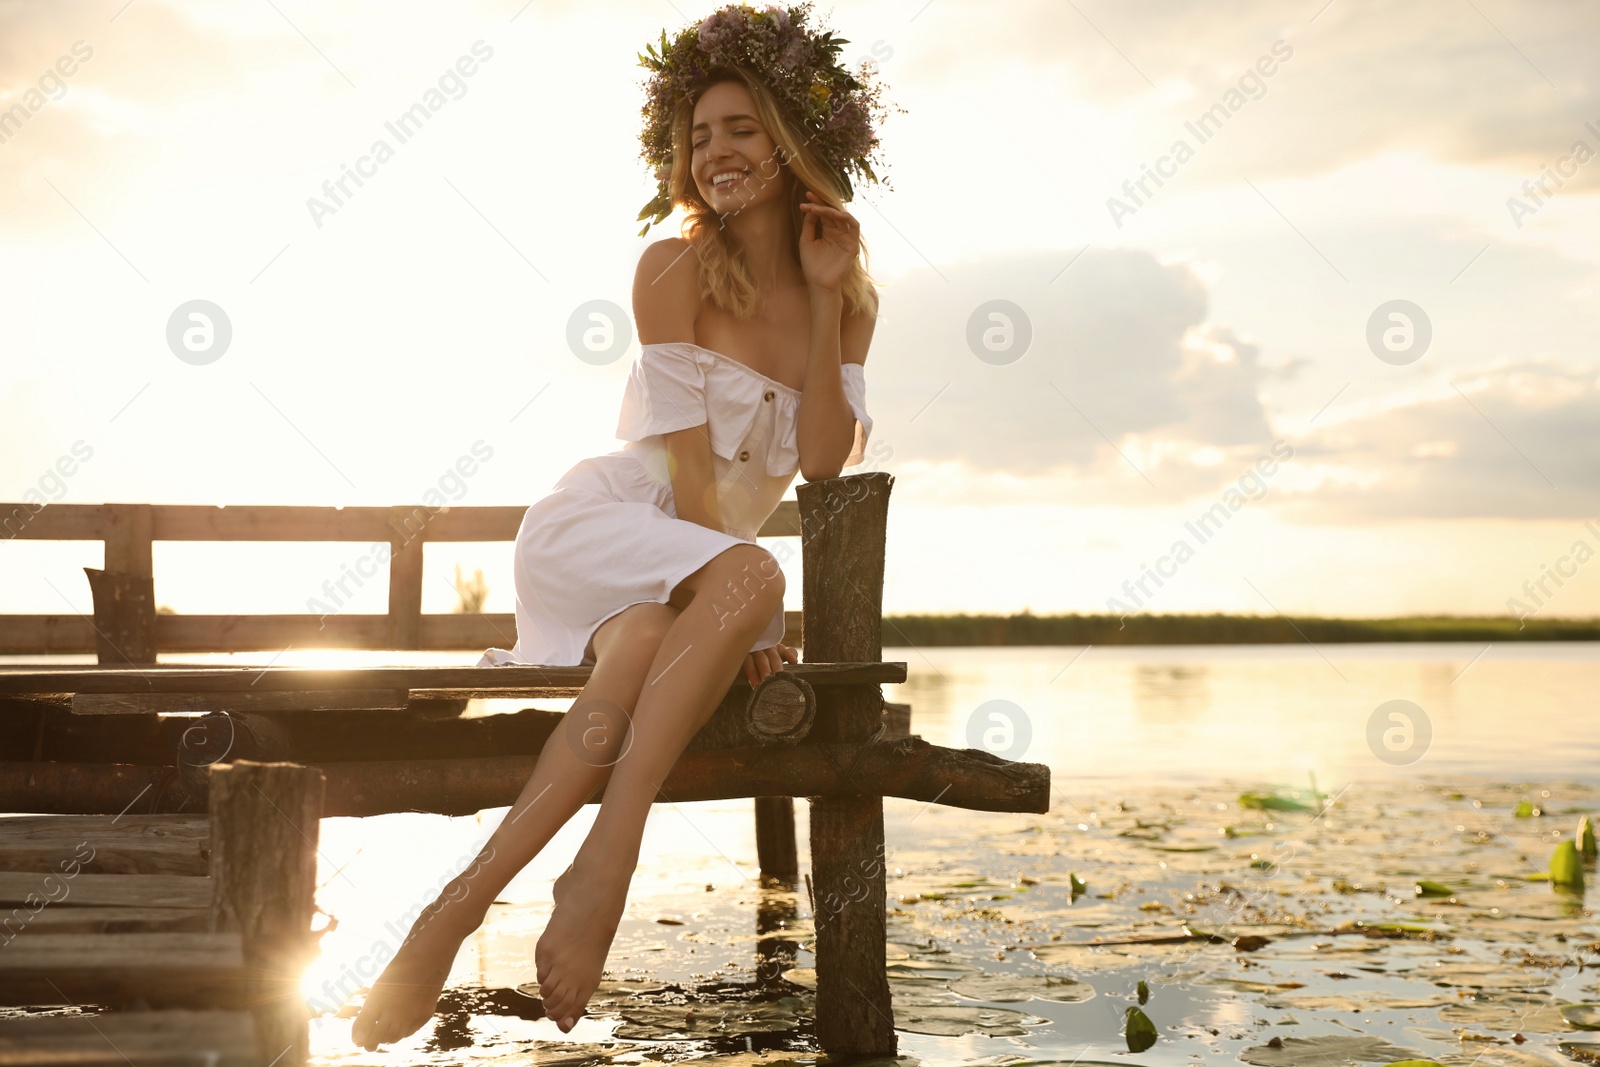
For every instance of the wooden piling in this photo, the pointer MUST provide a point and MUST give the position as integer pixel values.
(775, 842)
(844, 523)
(264, 826)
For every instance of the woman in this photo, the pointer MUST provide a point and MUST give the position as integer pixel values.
(754, 328)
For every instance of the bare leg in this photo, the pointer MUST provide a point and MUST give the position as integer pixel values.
(730, 600)
(575, 762)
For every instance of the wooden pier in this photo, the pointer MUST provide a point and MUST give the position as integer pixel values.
(83, 740)
(182, 937)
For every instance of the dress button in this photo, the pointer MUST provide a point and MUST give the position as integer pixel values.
(768, 396)
(744, 455)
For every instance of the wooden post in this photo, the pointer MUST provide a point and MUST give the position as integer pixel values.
(264, 824)
(844, 522)
(405, 575)
(124, 591)
(775, 843)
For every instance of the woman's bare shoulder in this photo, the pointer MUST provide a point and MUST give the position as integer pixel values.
(666, 292)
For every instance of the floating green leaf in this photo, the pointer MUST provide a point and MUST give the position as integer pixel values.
(1586, 846)
(1076, 887)
(1140, 1032)
(1566, 866)
(1143, 991)
(1273, 802)
(1433, 889)
(1583, 1016)
(1524, 810)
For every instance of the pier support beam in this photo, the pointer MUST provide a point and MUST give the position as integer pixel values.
(264, 824)
(844, 524)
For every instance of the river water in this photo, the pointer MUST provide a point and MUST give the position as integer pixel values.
(1380, 766)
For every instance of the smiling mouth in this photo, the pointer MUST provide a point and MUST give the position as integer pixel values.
(740, 180)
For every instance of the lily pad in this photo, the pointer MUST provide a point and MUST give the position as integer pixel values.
(1008, 988)
(1433, 889)
(1472, 974)
(1140, 1033)
(1582, 1016)
(1256, 801)
(656, 1022)
(1328, 1048)
(1512, 1011)
(805, 977)
(1580, 1051)
(946, 1018)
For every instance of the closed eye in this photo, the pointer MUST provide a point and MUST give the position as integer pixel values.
(736, 133)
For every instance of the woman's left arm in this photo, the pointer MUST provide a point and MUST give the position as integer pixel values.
(825, 425)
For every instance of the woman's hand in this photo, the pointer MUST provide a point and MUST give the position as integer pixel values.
(759, 664)
(825, 255)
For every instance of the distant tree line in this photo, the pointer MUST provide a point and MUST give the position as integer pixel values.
(1218, 629)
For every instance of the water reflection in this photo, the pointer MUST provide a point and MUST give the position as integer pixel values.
(1279, 713)
(1166, 693)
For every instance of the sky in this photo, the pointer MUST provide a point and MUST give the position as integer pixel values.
(1323, 272)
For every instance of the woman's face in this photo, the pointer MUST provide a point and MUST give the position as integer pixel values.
(728, 139)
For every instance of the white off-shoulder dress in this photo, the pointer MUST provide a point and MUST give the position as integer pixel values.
(608, 535)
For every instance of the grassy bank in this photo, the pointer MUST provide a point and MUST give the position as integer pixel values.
(1028, 629)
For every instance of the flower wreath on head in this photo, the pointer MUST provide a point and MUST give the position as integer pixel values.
(836, 110)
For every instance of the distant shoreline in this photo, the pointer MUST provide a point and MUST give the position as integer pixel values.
(1218, 629)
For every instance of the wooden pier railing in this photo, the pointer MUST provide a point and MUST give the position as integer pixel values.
(126, 627)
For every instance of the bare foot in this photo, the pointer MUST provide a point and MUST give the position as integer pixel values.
(407, 992)
(571, 952)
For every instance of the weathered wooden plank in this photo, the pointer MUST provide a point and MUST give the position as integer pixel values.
(189, 969)
(54, 522)
(104, 843)
(269, 700)
(144, 1038)
(176, 634)
(109, 890)
(477, 681)
(254, 522)
(56, 919)
(908, 767)
(41, 634)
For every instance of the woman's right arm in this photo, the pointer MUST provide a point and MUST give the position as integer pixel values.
(666, 302)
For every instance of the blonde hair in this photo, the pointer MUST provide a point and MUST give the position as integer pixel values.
(725, 277)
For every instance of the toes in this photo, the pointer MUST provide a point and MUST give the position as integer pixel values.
(361, 1030)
